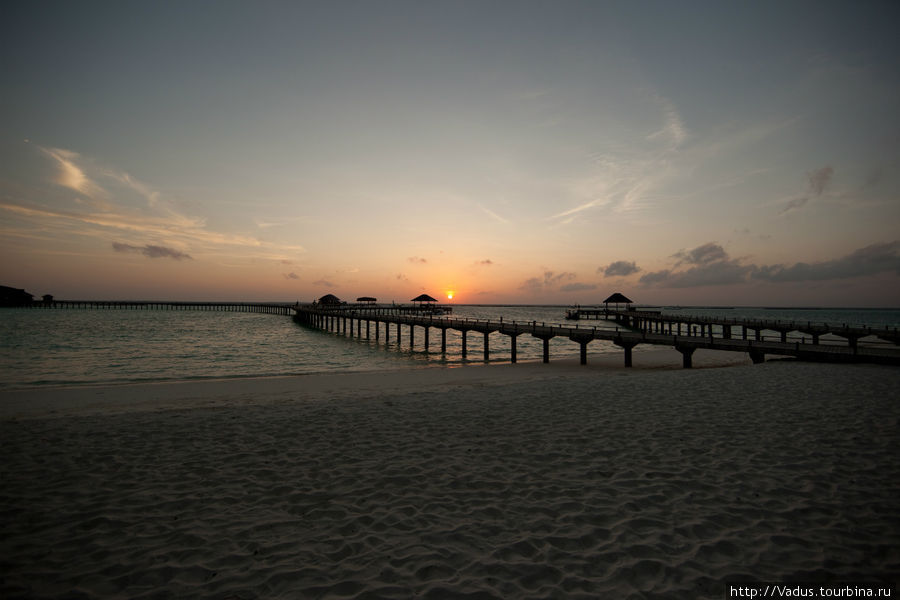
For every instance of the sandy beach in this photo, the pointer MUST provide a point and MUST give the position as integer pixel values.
(498, 481)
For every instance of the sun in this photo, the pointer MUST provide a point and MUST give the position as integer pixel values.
(450, 295)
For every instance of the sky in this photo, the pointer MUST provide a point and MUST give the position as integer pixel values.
(690, 153)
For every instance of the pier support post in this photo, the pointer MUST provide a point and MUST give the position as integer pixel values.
(546, 349)
(426, 338)
(627, 346)
(487, 351)
(687, 354)
(464, 332)
(443, 340)
(412, 337)
(376, 330)
(757, 357)
(512, 348)
(583, 340)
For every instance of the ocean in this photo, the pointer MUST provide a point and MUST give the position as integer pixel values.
(99, 347)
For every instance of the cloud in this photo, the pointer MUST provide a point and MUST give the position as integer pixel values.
(551, 278)
(493, 215)
(816, 183)
(718, 273)
(819, 179)
(133, 209)
(291, 275)
(870, 260)
(702, 255)
(624, 179)
(324, 282)
(619, 268)
(578, 287)
(532, 284)
(416, 260)
(152, 251)
(548, 281)
(402, 277)
(71, 175)
(673, 128)
(710, 264)
(794, 204)
(486, 262)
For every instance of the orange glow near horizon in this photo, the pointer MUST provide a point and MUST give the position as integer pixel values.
(450, 295)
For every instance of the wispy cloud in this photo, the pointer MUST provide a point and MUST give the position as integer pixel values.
(417, 260)
(673, 130)
(623, 179)
(70, 175)
(151, 251)
(112, 208)
(493, 215)
(819, 179)
(291, 275)
(817, 182)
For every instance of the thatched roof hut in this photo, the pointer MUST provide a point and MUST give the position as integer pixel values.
(329, 299)
(366, 300)
(423, 298)
(617, 299)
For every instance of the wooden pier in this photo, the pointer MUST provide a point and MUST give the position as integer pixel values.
(246, 307)
(658, 322)
(349, 320)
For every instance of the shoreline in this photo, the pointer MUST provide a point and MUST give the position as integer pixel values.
(68, 400)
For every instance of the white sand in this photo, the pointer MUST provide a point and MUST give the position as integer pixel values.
(502, 481)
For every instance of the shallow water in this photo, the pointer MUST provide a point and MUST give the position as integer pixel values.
(82, 346)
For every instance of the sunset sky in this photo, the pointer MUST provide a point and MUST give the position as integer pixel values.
(726, 153)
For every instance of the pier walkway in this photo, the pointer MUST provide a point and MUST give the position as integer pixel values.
(659, 322)
(247, 307)
(350, 319)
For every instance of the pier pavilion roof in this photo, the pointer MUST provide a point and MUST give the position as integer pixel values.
(617, 298)
(329, 299)
(423, 298)
(368, 299)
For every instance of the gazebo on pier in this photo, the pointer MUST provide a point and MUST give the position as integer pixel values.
(618, 299)
(330, 300)
(424, 300)
(367, 300)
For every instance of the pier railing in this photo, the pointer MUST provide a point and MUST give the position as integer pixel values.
(247, 307)
(626, 337)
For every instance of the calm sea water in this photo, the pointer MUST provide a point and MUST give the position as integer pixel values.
(77, 347)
